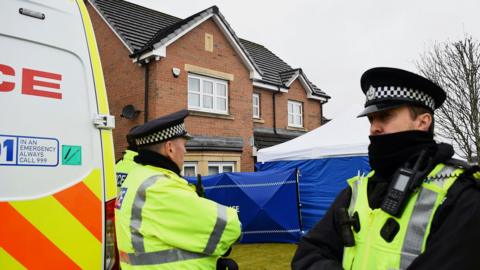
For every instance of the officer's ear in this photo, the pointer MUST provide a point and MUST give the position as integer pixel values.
(423, 122)
(163, 148)
(168, 146)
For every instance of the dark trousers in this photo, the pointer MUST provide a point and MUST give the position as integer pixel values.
(226, 264)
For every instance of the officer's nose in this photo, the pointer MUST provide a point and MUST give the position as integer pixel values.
(375, 127)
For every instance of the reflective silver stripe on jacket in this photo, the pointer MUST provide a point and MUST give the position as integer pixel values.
(160, 257)
(353, 199)
(217, 232)
(140, 257)
(136, 214)
(417, 225)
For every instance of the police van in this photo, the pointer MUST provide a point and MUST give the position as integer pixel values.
(57, 180)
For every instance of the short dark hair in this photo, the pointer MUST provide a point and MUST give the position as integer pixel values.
(415, 111)
(152, 147)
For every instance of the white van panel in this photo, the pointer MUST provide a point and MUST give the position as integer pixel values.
(47, 96)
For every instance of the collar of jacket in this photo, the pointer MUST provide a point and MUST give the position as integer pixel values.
(147, 157)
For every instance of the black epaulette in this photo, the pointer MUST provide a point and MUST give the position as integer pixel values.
(468, 179)
(473, 173)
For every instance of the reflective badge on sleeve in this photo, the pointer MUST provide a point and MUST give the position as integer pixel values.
(120, 197)
(120, 178)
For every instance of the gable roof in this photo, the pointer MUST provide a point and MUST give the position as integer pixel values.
(276, 72)
(157, 45)
(147, 32)
(163, 34)
(135, 25)
(270, 64)
(289, 76)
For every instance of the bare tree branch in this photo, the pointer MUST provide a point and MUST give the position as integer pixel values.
(455, 66)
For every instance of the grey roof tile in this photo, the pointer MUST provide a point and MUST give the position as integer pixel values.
(286, 76)
(270, 64)
(317, 91)
(275, 70)
(135, 24)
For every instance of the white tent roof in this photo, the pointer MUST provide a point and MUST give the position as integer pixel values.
(345, 135)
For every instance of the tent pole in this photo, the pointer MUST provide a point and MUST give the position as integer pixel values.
(299, 204)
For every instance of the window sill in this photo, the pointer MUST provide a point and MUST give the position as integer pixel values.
(297, 128)
(211, 115)
(258, 120)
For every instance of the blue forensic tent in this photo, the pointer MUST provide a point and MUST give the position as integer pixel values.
(326, 157)
(267, 202)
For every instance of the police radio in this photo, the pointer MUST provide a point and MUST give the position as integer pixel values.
(404, 182)
(398, 192)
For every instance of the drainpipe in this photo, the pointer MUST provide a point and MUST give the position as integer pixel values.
(146, 79)
(274, 115)
(321, 110)
(321, 113)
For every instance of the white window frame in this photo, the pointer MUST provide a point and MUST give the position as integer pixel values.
(291, 113)
(221, 164)
(214, 95)
(190, 164)
(256, 96)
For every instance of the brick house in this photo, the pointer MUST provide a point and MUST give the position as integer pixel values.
(240, 95)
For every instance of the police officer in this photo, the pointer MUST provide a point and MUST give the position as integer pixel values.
(126, 163)
(417, 208)
(161, 223)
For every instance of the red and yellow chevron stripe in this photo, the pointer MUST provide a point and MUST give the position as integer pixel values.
(62, 231)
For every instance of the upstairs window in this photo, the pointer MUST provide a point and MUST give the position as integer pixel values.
(207, 94)
(256, 105)
(295, 114)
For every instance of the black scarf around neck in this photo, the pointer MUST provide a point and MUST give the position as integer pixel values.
(147, 157)
(388, 152)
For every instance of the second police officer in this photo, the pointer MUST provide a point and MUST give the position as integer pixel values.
(418, 208)
(161, 223)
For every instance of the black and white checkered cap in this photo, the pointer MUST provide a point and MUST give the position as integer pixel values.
(382, 93)
(161, 129)
(162, 135)
(386, 88)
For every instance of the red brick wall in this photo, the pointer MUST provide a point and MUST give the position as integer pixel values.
(171, 93)
(311, 107)
(124, 80)
(312, 111)
(266, 104)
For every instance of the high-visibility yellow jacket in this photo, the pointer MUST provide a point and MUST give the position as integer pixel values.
(371, 250)
(125, 165)
(161, 223)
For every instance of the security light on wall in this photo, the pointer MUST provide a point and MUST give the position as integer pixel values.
(176, 72)
(130, 112)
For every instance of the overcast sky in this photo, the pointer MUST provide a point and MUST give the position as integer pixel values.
(335, 41)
